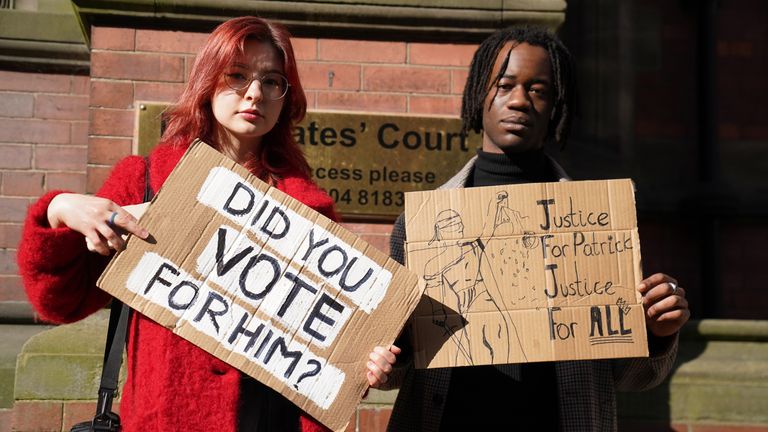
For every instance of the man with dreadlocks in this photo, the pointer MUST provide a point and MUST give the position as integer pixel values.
(520, 94)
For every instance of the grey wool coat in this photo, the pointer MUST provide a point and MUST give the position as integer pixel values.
(586, 389)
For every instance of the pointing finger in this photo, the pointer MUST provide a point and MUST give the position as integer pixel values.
(126, 222)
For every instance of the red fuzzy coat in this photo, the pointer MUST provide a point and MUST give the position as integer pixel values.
(172, 385)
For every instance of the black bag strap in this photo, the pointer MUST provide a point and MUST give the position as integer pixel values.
(105, 419)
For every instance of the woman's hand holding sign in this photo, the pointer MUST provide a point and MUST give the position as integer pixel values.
(100, 220)
(380, 364)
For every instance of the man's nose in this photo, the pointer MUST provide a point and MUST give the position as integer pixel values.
(518, 98)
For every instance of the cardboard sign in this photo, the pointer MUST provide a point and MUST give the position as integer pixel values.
(525, 273)
(264, 283)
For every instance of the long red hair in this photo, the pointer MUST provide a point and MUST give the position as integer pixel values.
(192, 116)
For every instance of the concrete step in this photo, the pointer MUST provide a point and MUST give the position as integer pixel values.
(65, 362)
(13, 338)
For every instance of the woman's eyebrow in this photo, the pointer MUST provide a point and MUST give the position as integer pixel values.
(248, 67)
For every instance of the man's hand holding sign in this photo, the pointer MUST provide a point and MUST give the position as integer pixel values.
(267, 285)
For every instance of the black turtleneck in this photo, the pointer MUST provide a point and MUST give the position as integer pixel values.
(482, 397)
(492, 169)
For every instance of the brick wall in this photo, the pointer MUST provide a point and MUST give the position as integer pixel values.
(680, 193)
(742, 56)
(742, 60)
(43, 146)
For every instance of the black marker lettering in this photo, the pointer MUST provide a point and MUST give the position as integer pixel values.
(239, 212)
(622, 330)
(271, 231)
(544, 244)
(551, 268)
(312, 244)
(268, 287)
(324, 257)
(318, 315)
(158, 279)
(251, 335)
(264, 204)
(264, 343)
(545, 204)
(295, 355)
(223, 267)
(550, 313)
(608, 321)
(298, 284)
(210, 311)
(172, 295)
(343, 280)
(596, 319)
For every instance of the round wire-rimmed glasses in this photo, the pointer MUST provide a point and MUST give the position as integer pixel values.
(274, 86)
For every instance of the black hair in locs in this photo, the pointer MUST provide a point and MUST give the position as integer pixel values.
(479, 79)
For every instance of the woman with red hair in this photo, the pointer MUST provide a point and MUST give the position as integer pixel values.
(243, 98)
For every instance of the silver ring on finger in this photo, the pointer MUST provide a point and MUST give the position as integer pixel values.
(674, 287)
(111, 221)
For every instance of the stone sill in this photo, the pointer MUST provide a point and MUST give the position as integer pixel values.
(728, 330)
(44, 57)
(40, 26)
(42, 42)
(403, 20)
(57, 42)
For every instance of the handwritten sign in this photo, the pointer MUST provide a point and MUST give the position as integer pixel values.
(525, 273)
(264, 283)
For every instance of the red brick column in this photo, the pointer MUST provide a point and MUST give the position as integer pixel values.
(129, 65)
(43, 144)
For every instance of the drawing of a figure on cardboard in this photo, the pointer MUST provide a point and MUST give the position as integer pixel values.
(504, 214)
(459, 278)
(512, 258)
